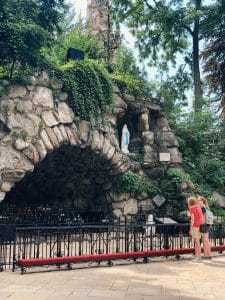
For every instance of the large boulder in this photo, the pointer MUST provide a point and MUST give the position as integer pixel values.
(11, 158)
(220, 199)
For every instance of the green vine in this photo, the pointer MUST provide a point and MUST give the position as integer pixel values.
(133, 183)
(90, 89)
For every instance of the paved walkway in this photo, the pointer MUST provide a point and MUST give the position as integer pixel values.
(161, 279)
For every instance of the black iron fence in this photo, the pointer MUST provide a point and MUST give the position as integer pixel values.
(48, 216)
(7, 243)
(45, 215)
(45, 242)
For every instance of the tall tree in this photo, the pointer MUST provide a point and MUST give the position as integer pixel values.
(25, 27)
(164, 28)
(125, 63)
(214, 54)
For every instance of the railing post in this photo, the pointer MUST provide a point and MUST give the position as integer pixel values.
(117, 238)
(80, 240)
(68, 242)
(135, 239)
(166, 238)
(14, 250)
(126, 236)
(99, 241)
(14, 240)
(1, 255)
(221, 234)
(58, 241)
(107, 239)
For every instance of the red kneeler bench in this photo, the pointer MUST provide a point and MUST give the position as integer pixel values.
(31, 262)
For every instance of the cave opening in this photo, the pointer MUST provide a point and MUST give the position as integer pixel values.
(69, 179)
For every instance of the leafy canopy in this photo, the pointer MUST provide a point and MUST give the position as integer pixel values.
(25, 27)
(202, 143)
(214, 54)
(156, 26)
(74, 37)
(127, 74)
(165, 29)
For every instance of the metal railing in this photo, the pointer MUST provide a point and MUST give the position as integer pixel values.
(45, 242)
(55, 216)
(48, 216)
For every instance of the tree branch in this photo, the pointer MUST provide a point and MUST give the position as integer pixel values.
(189, 29)
(149, 6)
(155, 2)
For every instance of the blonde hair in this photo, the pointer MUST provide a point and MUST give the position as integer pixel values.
(205, 202)
(192, 201)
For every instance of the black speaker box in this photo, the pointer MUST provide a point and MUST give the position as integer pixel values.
(74, 54)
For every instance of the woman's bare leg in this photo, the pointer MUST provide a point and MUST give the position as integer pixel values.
(197, 247)
(206, 244)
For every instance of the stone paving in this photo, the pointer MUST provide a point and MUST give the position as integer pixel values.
(161, 279)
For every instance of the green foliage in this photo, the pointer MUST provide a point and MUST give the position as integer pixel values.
(77, 38)
(125, 63)
(25, 135)
(41, 125)
(15, 134)
(161, 25)
(25, 27)
(196, 133)
(22, 134)
(89, 87)
(218, 212)
(127, 74)
(202, 143)
(213, 55)
(172, 93)
(133, 183)
(213, 172)
(129, 84)
(177, 175)
(170, 188)
(167, 33)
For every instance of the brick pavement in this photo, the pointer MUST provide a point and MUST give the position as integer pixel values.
(161, 279)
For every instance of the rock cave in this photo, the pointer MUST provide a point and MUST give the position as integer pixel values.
(51, 157)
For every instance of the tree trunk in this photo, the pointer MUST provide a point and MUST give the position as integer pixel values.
(108, 35)
(198, 101)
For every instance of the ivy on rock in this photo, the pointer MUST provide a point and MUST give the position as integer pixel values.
(89, 88)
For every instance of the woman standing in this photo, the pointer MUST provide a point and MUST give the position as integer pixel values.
(197, 219)
(205, 228)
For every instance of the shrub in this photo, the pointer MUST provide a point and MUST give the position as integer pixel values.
(133, 183)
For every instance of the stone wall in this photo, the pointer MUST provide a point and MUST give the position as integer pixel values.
(36, 121)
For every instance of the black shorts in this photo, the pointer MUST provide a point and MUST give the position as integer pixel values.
(205, 228)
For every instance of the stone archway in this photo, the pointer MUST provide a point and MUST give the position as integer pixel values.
(22, 157)
(36, 122)
(69, 177)
(37, 125)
